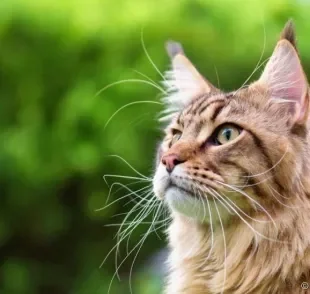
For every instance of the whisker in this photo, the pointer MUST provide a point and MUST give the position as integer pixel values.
(124, 177)
(141, 223)
(131, 81)
(143, 196)
(146, 235)
(251, 199)
(115, 274)
(217, 77)
(264, 172)
(252, 185)
(149, 57)
(147, 77)
(125, 161)
(252, 229)
(118, 266)
(154, 220)
(140, 215)
(224, 205)
(258, 65)
(160, 227)
(140, 206)
(122, 187)
(270, 169)
(288, 206)
(127, 105)
(204, 207)
(132, 192)
(226, 199)
(225, 246)
(211, 227)
(121, 237)
(147, 211)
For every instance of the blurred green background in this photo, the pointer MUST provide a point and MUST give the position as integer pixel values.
(54, 57)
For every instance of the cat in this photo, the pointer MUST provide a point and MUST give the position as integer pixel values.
(234, 169)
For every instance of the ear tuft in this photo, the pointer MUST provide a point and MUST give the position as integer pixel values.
(285, 80)
(183, 82)
(174, 48)
(288, 33)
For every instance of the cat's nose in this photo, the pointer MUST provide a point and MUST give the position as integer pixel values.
(170, 161)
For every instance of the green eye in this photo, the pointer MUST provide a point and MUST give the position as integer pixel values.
(176, 137)
(226, 134)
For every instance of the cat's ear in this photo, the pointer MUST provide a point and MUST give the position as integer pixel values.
(288, 33)
(284, 76)
(183, 82)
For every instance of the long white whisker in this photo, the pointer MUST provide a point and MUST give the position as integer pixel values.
(122, 235)
(125, 161)
(147, 77)
(217, 77)
(161, 226)
(258, 65)
(127, 105)
(132, 192)
(279, 193)
(147, 211)
(203, 205)
(147, 234)
(211, 227)
(225, 247)
(251, 199)
(116, 272)
(131, 81)
(122, 186)
(288, 206)
(141, 223)
(251, 228)
(124, 177)
(252, 185)
(149, 57)
(140, 215)
(226, 200)
(268, 170)
(116, 246)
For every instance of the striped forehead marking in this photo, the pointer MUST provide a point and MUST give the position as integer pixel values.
(201, 104)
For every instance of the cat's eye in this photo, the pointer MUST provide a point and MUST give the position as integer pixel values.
(226, 134)
(176, 137)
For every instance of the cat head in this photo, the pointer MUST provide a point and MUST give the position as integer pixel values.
(242, 151)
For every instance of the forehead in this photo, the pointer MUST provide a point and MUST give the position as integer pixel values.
(204, 108)
(244, 107)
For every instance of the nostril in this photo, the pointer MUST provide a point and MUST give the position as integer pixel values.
(170, 161)
(176, 162)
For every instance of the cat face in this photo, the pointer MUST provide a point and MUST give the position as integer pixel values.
(233, 153)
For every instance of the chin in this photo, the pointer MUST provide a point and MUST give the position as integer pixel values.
(187, 204)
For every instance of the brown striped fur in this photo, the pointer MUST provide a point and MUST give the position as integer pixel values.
(269, 161)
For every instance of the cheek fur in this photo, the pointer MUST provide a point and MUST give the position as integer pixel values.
(159, 154)
(160, 181)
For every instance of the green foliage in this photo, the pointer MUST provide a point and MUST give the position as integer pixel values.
(54, 57)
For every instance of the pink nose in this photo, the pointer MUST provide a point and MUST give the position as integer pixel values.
(170, 161)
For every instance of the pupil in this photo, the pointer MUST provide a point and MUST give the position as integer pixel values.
(227, 134)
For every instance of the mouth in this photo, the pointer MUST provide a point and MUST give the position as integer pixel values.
(186, 202)
(198, 194)
(187, 191)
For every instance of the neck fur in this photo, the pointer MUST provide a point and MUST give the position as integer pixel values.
(258, 257)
